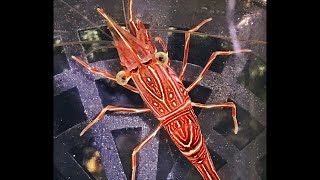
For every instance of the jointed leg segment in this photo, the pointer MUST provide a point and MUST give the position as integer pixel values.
(105, 74)
(113, 108)
(186, 46)
(213, 57)
(227, 104)
(137, 149)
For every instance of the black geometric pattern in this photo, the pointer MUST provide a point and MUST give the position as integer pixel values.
(79, 95)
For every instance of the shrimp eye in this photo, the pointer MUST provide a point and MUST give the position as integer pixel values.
(162, 58)
(121, 78)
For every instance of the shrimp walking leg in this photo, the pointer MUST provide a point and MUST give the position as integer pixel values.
(227, 104)
(105, 74)
(186, 46)
(210, 61)
(113, 108)
(137, 149)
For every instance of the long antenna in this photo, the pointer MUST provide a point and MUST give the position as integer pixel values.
(86, 18)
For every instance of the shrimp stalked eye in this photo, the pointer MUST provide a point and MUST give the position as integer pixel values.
(162, 58)
(121, 78)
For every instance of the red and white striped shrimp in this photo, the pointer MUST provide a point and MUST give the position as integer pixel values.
(162, 90)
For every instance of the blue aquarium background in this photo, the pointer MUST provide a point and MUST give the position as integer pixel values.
(104, 151)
